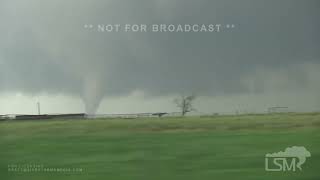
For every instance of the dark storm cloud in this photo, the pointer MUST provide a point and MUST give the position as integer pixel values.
(44, 47)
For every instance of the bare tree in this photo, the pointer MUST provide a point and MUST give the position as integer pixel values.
(185, 103)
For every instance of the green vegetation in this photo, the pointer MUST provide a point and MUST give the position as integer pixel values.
(219, 147)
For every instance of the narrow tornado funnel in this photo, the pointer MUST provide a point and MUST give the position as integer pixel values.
(92, 94)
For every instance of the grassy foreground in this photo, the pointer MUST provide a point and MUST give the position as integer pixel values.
(222, 147)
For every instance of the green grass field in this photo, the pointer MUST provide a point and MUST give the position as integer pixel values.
(222, 147)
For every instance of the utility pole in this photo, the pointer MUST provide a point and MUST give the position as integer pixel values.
(38, 105)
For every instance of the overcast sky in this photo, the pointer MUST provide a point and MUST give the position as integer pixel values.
(270, 58)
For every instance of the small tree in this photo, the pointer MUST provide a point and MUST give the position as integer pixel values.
(185, 103)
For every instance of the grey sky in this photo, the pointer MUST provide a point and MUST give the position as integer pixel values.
(274, 49)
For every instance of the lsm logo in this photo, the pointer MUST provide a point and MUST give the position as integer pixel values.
(289, 160)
